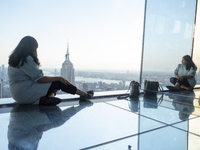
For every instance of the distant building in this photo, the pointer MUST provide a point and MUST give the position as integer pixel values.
(3, 73)
(0, 72)
(55, 72)
(2, 68)
(1, 88)
(67, 70)
(85, 87)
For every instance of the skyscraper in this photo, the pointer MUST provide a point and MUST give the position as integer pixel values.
(67, 70)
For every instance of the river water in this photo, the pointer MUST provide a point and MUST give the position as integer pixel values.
(92, 80)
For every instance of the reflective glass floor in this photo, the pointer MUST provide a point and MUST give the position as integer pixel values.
(167, 121)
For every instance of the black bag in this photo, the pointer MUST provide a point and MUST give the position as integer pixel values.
(151, 88)
(134, 89)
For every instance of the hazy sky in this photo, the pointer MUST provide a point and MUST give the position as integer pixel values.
(102, 34)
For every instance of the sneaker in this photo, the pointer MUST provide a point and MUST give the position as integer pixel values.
(88, 96)
(91, 93)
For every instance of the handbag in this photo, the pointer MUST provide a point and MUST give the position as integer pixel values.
(134, 89)
(151, 88)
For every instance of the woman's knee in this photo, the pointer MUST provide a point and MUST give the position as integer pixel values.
(173, 80)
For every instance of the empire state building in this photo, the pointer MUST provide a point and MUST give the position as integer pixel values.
(67, 70)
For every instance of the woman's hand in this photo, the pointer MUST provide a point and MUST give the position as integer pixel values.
(186, 77)
(181, 78)
(63, 80)
(176, 75)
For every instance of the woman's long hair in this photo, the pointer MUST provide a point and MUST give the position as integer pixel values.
(189, 61)
(26, 47)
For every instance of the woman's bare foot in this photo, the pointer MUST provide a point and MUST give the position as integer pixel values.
(184, 87)
(177, 85)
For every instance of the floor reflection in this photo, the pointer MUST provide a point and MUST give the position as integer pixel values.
(133, 104)
(152, 101)
(109, 124)
(27, 123)
(184, 104)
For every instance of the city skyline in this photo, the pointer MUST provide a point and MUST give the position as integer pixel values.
(98, 81)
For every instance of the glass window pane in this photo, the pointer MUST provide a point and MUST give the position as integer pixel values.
(103, 39)
(168, 37)
(196, 52)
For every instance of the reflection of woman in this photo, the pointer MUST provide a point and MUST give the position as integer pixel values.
(184, 106)
(185, 74)
(27, 124)
(28, 85)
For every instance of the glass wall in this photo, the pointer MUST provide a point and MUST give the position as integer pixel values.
(192, 125)
(168, 37)
(196, 47)
(97, 43)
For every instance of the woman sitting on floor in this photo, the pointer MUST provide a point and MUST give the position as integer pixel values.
(185, 74)
(28, 85)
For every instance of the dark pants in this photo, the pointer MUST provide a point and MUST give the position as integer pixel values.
(183, 82)
(55, 86)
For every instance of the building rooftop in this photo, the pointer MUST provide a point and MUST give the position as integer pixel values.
(167, 121)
